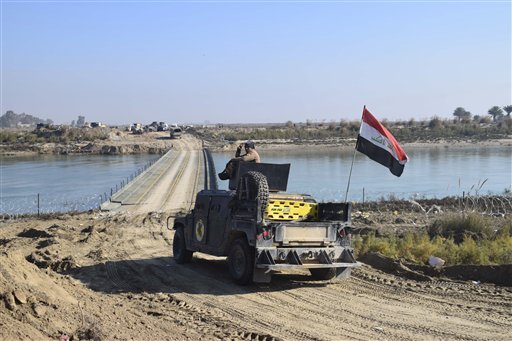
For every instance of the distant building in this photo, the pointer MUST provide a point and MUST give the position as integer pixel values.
(81, 121)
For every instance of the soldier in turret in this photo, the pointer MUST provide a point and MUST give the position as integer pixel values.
(251, 155)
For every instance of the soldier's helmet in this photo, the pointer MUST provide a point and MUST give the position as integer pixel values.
(249, 144)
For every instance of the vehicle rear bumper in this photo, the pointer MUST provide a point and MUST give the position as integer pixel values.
(307, 266)
(305, 257)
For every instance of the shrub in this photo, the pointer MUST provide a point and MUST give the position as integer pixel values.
(500, 249)
(435, 123)
(458, 226)
(30, 138)
(418, 247)
(469, 252)
(8, 136)
(386, 246)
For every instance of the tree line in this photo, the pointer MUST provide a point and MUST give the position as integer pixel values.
(465, 126)
(496, 112)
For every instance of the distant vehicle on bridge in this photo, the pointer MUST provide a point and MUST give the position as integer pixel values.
(176, 133)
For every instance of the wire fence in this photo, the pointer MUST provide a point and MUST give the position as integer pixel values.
(105, 196)
(494, 205)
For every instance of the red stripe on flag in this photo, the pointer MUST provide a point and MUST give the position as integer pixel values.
(369, 119)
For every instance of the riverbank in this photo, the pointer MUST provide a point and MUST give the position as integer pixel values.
(119, 142)
(349, 144)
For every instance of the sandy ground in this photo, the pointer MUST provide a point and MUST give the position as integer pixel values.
(111, 276)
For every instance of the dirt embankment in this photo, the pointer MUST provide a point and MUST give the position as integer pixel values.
(118, 142)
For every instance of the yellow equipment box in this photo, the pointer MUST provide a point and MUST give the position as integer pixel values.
(291, 210)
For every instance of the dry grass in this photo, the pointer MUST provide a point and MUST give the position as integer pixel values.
(457, 239)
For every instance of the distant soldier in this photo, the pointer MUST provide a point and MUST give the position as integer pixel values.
(251, 155)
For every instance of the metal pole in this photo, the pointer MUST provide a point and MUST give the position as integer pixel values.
(38, 204)
(363, 196)
(353, 158)
(350, 174)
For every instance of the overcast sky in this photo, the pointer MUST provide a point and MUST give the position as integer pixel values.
(258, 61)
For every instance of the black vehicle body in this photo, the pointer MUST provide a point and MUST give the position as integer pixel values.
(260, 232)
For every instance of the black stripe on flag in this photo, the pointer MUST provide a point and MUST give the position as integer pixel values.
(379, 155)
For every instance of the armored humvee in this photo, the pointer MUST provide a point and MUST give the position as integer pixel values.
(261, 229)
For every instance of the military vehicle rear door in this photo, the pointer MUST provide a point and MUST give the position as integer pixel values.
(217, 220)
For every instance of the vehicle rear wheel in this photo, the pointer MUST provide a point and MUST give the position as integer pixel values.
(252, 186)
(241, 262)
(179, 248)
(323, 273)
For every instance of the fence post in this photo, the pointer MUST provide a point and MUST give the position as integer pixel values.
(38, 204)
(363, 196)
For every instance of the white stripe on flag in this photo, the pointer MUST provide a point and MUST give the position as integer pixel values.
(375, 137)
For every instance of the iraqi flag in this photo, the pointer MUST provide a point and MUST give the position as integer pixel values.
(376, 142)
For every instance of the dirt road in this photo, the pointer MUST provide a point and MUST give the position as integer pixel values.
(108, 276)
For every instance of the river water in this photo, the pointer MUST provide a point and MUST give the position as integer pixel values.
(430, 173)
(76, 183)
(64, 183)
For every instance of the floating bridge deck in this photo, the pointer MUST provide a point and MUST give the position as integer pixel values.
(133, 193)
(136, 191)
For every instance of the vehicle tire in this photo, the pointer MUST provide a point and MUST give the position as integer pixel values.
(241, 262)
(252, 186)
(179, 248)
(323, 273)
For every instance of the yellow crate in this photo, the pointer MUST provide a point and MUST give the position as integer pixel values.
(291, 210)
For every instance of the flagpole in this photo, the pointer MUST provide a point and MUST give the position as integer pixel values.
(350, 174)
(353, 158)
